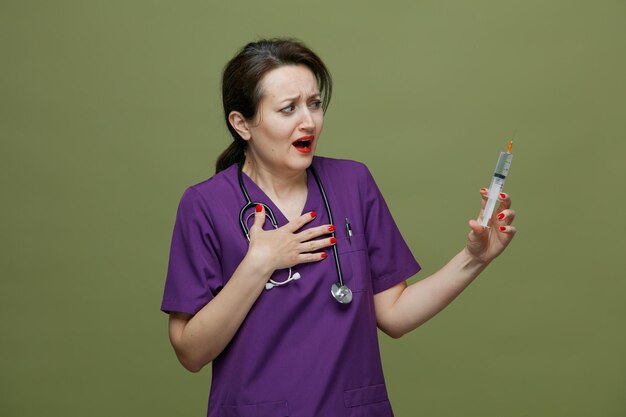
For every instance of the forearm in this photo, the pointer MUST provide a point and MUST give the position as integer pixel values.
(422, 300)
(210, 330)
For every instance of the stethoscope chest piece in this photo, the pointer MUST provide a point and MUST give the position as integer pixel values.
(341, 293)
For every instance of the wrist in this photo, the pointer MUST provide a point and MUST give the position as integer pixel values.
(257, 265)
(473, 262)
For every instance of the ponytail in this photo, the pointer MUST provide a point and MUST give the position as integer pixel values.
(234, 154)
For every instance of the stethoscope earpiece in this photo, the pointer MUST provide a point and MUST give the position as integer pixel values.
(271, 283)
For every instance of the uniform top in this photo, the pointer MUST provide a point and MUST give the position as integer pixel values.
(298, 352)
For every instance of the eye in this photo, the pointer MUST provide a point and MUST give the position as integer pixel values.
(315, 104)
(288, 109)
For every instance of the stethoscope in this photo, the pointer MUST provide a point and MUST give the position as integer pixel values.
(339, 290)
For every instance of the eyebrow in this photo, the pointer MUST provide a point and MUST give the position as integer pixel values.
(314, 95)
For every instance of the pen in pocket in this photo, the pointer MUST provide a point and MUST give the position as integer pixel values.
(348, 231)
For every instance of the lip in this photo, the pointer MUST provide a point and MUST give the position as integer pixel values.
(309, 148)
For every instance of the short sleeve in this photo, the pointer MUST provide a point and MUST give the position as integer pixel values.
(194, 273)
(391, 260)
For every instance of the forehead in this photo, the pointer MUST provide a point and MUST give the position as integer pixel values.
(289, 81)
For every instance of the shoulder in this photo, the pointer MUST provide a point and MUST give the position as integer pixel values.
(346, 174)
(216, 185)
(349, 177)
(212, 189)
(218, 182)
(344, 169)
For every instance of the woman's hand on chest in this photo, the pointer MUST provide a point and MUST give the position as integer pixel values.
(285, 247)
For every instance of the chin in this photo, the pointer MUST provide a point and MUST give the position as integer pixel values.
(301, 163)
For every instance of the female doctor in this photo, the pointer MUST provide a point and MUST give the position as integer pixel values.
(288, 312)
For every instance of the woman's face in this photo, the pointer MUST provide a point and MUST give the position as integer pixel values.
(284, 133)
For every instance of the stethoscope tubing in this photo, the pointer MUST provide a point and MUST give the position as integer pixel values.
(330, 219)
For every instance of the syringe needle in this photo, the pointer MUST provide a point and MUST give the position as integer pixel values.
(509, 149)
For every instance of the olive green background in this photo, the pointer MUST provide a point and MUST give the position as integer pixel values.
(110, 109)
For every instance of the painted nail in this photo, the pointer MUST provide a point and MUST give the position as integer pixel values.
(333, 240)
(324, 255)
(313, 214)
(331, 228)
(500, 216)
(502, 195)
(502, 228)
(259, 208)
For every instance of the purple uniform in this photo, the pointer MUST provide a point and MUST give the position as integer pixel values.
(299, 352)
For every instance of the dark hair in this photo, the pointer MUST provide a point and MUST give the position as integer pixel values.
(241, 84)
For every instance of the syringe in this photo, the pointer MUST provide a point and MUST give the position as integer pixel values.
(497, 182)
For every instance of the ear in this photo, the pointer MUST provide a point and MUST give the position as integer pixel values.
(238, 122)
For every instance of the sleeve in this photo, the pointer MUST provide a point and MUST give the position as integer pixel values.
(194, 273)
(391, 260)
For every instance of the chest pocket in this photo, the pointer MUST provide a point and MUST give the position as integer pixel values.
(355, 263)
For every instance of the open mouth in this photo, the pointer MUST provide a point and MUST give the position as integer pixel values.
(304, 144)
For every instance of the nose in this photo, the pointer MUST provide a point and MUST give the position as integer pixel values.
(307, 123)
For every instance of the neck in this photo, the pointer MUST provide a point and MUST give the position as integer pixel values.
(274, 183)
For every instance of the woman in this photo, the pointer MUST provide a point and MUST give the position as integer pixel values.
(259, 304)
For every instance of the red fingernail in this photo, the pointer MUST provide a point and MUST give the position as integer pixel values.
(331, 228)
(259, 208)
(313, 214)
(502, 228)
(500, 216)
(324, 255)
(502, 195)
(333, 240)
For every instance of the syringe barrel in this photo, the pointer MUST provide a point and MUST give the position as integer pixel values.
(495, 187)
(503, 165)
(497, 183)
